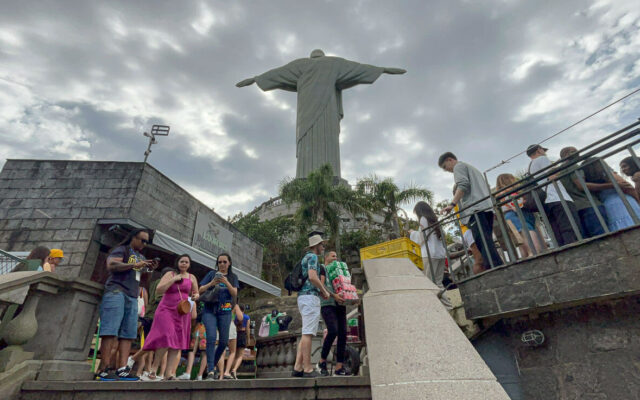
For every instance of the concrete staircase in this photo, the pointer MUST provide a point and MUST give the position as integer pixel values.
(347, 388)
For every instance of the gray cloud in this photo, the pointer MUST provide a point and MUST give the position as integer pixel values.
(84, 79)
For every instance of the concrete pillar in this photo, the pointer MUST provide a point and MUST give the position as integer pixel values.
(415, 349)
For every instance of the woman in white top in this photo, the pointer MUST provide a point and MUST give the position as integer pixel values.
(434, 266)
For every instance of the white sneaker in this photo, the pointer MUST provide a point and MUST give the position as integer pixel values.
(199, 378)
(184, 377)
(147, 377)
(130, 362)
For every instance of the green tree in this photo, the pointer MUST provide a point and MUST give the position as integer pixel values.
(386, 197)
(321, 201)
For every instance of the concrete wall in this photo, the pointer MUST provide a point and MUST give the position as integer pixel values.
(57, 203)
(162, 204)
(590, 352)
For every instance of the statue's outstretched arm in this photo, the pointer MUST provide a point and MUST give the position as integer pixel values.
(394, 71)
(246, 82)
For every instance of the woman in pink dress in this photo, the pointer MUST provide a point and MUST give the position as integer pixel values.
(170, 330)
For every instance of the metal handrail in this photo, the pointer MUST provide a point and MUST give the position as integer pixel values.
(548, 177)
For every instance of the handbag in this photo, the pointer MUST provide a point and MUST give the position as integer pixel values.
(183, 307)
(210, 296)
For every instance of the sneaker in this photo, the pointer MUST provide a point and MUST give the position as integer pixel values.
(297, 374)
(144, 376)
(198, 378)
(216, 374)
(312, 374)
(211, 376)
(184, 377)
(322, 366)
(130, 362)
(125, 374)
(342, 372)
(108, 375)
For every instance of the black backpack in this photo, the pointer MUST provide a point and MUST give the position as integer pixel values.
(296, 279)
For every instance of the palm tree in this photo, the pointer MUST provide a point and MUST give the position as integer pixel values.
(386, 197)
(321, 201)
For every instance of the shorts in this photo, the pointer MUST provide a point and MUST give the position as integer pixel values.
(242, 340)
(529, 219)
(233, 334)
(118, 315)
(468, 238)
(309, 307)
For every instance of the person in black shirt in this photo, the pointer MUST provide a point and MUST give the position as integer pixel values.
(119, 307)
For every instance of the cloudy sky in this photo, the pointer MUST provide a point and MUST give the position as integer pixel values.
(84, 79)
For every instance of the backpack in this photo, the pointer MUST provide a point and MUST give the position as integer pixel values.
(296, 279)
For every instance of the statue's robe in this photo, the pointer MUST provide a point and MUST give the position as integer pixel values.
(319, 83)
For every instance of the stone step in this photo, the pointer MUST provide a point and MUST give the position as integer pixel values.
(348, 388)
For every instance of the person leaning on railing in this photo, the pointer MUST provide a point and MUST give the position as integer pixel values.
(472, 194)
(589, 224)
(632, 170)
(617, 213)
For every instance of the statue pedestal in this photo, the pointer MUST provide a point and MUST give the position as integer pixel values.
(415, 348)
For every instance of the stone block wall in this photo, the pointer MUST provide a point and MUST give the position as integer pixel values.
(57, 203)
(603, 267)
(589, 352)
(161, 204)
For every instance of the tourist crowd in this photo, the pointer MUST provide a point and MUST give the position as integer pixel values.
(579, 200)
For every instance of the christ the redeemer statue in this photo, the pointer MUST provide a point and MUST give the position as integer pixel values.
(319, 81)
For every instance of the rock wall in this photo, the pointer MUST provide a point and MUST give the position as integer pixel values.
(589, 352)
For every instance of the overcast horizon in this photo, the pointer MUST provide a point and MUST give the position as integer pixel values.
(83, 80)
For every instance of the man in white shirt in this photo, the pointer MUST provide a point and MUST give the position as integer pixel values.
(558, 218)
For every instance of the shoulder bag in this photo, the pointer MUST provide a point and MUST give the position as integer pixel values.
(183, 307)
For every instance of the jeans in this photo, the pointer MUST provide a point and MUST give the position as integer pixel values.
(216, 324)
(335, 317)
(559, 221)
(481, 225)
(589, 221)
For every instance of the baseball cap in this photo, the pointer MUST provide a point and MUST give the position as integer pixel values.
(533, 148)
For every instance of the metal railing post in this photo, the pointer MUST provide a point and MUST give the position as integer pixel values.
(484, 240)
(545, 220)
(464, 245)
(525, 229)
(586, 190)
(567, 210)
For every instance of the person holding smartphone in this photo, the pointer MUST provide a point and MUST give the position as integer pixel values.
(119, 307)
(217, 316)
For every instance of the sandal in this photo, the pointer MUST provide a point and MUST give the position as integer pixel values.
(228, 377)
(233, 375)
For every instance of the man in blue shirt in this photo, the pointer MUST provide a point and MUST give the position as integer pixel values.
(309, 307)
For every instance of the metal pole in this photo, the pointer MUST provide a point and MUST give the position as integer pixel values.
(545, 220)
(525, 229)
(95, 349)
(498, 210)
(484, 240)
(464, 244)
(592, 202)
(567, 210)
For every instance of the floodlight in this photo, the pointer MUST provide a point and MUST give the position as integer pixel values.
(156, 130)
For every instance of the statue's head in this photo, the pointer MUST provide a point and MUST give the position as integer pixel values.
(317, 53)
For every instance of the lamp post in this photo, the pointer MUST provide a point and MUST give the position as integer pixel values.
(156, 130)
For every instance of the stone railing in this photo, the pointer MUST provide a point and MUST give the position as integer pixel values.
(49, 339)
(276, 355)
